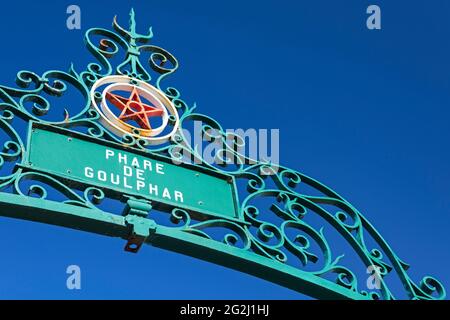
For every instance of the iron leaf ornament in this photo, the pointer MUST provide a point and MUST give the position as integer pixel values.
(271, 236)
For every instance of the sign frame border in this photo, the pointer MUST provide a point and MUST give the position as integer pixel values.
(77, 182)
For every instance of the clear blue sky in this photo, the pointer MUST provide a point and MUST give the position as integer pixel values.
(365, 112)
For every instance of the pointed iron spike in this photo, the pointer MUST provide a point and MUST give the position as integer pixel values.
(72, 70)
(114, 21)
(150, 32)
(131, 34)
(132, 21)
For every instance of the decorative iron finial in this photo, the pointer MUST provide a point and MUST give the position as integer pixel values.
(132, 36)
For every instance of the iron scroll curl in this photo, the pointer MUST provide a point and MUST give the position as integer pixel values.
(274, 238)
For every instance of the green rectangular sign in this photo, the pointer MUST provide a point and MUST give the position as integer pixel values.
(81, 158)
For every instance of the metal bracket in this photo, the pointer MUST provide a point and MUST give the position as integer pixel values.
(140, 227)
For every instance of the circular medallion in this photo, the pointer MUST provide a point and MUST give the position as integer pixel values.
(130, 106)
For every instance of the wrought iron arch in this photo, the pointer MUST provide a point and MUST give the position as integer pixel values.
(284, 248)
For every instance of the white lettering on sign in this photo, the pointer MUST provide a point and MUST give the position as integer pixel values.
(133, 169)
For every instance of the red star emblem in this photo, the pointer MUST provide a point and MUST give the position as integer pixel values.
(133, 108)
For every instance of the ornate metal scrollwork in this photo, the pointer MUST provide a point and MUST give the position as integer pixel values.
(274, 233)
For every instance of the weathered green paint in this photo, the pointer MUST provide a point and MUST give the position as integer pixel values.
(111, 166)
(285, 249)
(107, 224)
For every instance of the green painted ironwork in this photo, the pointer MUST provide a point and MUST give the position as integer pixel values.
(112, 166)
(272, 237)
